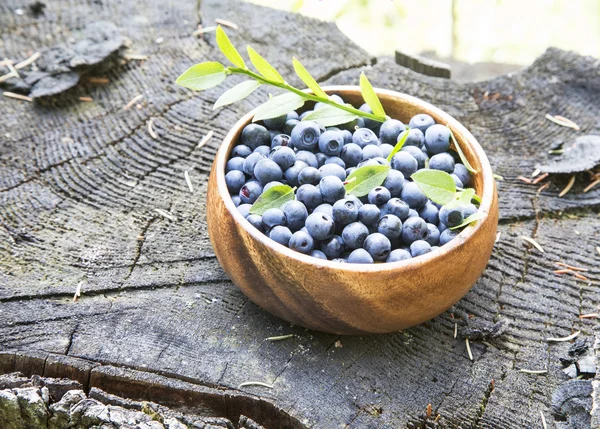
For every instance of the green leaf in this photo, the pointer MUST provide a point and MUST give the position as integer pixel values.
(363, 179)
(264, 67)
(463, 158)
(370, 97)
(308, 79)
(275, 197)
(329, 116)
(277, 106)
(462, 198)
(401, 140)
(238, 92)
(228, 49)
(202, 76)
(437, 185)
(475, 216)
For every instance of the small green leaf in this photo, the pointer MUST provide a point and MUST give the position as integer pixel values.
(202, 76)
(363, 179)
(437, 185)
(308, 79)
(401, 140)
(462, 198)
(475, 216)
(498, 177)
(238, 92)
(228, 49)
(463, 158)
(370, 97)
(278, 105)
(264, 67)
(329, 116)
(275, 197)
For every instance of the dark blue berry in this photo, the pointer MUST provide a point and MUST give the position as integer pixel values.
(379, 195)
(324, 208)
(345, 211)
(396, 207)
(292, 115)
(462, 173)
(305, 135)
(307, 157)
(360, 256)
(292, 173)
(331, 143)
(468, 210)
(333, 170)
(234, 164)
(451, 216)
(421, 121)
(336, 160)
(415, 138)
(347, 135)
(364, 137)
(390, 226)
(351, 154)
(413, 229)
(283, 156)
(354, 234)
(371, 151)
(251, 161)
(295, 214)
(413, 213)
(390, 130)
(301, 242)
(442, 161)
(235, 179)
(457, 181)
(320, 226)
(386, 149)
(254, 135)
(417, 154)
(250, 192)
(447, 236)
(281, 234)
(405, 163)
(318, 254)
(256, 221)
(413, 196)
(309, 176)
(398, 255)
(276, 123)
(236, 200)
(419, 247)
(333, 247)
(310, 196)
(267, 170)
(394, 182)
(289, 126)
(244, 209)
(437, 139)
(378, 246)
(273, 217)
(430, 213)
(369, 123)
(369, 214)
(263, 150)
(433, 237)
(241, 150)
(281, 140)
(321, 159)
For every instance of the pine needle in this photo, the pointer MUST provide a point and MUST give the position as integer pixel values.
(78, 291)
(17, 96)
(28, 61)
(589, 316)
(226, 23)
(544, 425)
(591, 185)
(498, 235)
(188, 181)
(151, 129)
(455, 330)
(571, 267)
(281, 337)
(133, 101)
(532, 242)
(255, 383)
(562, 121)
(469, 348)
(165, 214)
(205, 140)
(563, 339)
(568, 187)
(534, 371)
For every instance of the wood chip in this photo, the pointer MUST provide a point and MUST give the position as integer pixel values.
(17, 96)
(255, 383)
(561, 120)
(534, 371)
(544, 425)
(200, 31)
(28, 61)
(86, 99)
(469, 348)
(591, 185)
(455, 330)
(563, 339)
(543, 187)
(338, 344)
(532, 242)
(188, 181)
(524, 179)
(589, 316)
(98, 80)
(151, 129)
(568, 187)
(77, 291)
(498, 235)
(205, 140)
(571, 267)
(281, 337)
(165, 214)
(133, 101)
(540, 178)
(139, 57)
(226, 23)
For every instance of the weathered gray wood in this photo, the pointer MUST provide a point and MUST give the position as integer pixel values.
(79, 185)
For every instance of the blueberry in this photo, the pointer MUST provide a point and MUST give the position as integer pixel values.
(273, 217)
(433, 237)
(360, 256)
(442, 161)
(292, 173)
(390, 130)
(447, 236)
(371, 151)
(309, 195)
(469, 210)
(364, 137)
(267, 170)
(241, 150)
(430, 213)
(378, 246)
(271, 184)
(354, 234)
(281, 140)
(335, 160)
(419, 247)
(273, 133)
(235, 179)
(333, 170)
(333, 247)
(373, 161)
(251, 161)
(276, 123)
(304, 114)
(394, 183)
(390, 226)
(307, 157)
(413, 196)
(292, 115)
(386, 149)
(462, 173)
(324, 208)
(398, 255)
(318, 254)
(457, 181)
(421, 122)
(332, 189)
(331, 143)
(305, 135)
(369, 123)
(263, 150)
(417, 154)
(295, 214)
(236, 200)
(415, 138)
(320, 226)
(289, 126)
(345, 211)
(321, 159)
(301, 242)
(379, 195)
(405, 163)
(254, 135)
(309, 176)
(369, 214)
(413, 213)
(349, 171)
(442, 227)
(351, 154)
(396, 207)
(356, 200)
(414, 229)
(256, 221)
(347, 135)
(250, 192)
(281, 234)
(244, 209)
(451, 216)
(236, 163)
(283, 156)
(437, 139)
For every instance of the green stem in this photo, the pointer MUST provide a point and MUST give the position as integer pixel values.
(304, 95)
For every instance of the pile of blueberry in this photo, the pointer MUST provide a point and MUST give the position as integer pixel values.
(395, 221)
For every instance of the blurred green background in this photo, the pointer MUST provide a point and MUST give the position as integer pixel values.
(501, 31)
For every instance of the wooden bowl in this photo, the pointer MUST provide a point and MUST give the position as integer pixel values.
(353, 298)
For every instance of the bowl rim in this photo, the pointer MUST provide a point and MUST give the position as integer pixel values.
(465, 235)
